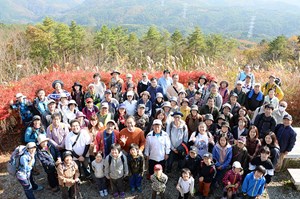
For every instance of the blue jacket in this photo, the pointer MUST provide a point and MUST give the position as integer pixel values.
(25, 107)
(286, 137)
(227, 159)
(31, 134)
(24, 169)
(253, 187)
(153, 92)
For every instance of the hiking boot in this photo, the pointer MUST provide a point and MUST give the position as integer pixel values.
(122, 195)
(139, 189)
(105, 192)
(101, 193)
(55, 189)
(39, 188)
(116, 195)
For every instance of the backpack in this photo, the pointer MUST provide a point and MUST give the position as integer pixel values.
(110, 158)
(14, 162)
(278, 81)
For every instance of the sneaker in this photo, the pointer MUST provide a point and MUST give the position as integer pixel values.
(101, 193)
(139, 189)
(55, 189)
(105, 192)
(122, 195)
(132, 190)
(39, 188)
(116, 195)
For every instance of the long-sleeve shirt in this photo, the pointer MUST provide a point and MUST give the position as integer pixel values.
(82, 142)
(48, 157)
(164, 83)
(32, 133)
(286, 137)
(57, 135)
(157, 145)
(137, 137)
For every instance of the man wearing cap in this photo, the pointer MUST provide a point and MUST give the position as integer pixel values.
(240, 94)
(90, 109)
(24, 171)
(210, 108)
(49, 155)
(91, 93)
(143, 84)
(286, 136)
(132, 134)
(100, 86)
(142, 120)
(46, 117)
(165, 81)
(279, 113)
(104, 115)
(34, 130)
(157, 148)
(104, 139)
(272, 85)
(265, 122)
(130, 104)
(153, 89)
(116, 79)
(175, 87)
(57, 132)
(213, 93)
(178, 133)
(254, 98)
(23, 105)
(129, 81)
(113, 104)
(78, 142)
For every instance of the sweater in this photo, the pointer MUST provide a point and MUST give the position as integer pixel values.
(137, 137)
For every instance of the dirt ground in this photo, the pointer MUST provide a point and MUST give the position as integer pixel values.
(280, 188)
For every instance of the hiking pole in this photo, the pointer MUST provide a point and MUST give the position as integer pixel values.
(78, 190)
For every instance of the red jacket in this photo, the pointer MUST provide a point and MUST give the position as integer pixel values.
(233, 178)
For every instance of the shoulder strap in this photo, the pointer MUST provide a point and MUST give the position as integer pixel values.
(109, 159)
(175, 89)
(76, 140)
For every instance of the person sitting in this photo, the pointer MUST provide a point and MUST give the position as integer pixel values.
(271, 84)
(265, 122)
(238, 90)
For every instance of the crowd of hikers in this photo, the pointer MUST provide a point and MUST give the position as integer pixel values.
(118, 135)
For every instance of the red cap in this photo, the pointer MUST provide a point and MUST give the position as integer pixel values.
(89, 100)
(157, 167)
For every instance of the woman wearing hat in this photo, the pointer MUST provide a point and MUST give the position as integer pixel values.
(193, 119)
(145, 99)
(58, 85)
(24, 174)
(201, 86)
(224, 91)
(116, 79)
(68, 175)
(77, 95)
(72, 110)
(49, 155)
(91, 93)
(34, 130)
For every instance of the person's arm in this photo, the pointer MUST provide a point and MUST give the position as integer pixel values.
(86, 149)
(245, 184)
(142, 141)
(292, 141)
(147, 147)
(227, 159)
(261, 188)
(106, 167)
(125, 166)
(27, 135)
(279, 93)
(185, 134)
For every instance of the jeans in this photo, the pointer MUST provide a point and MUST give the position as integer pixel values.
(101, 183)
(52, 179)
(135, 180)
(117, 185)
(85, 167)
(28, 185)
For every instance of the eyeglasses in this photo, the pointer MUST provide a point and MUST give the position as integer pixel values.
(282, 106)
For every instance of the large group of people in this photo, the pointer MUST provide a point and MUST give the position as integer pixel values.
(214, 137)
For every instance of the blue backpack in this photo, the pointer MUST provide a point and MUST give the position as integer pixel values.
(14, 162)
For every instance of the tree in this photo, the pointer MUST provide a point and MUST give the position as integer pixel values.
(279, 49)
(63, 41)
(151, 43)
(102, 42)
(77, 34)
(177, 43)
(196, 42)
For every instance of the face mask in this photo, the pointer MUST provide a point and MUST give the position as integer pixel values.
(281, 109)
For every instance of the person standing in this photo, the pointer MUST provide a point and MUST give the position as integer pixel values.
(165, 81)
(24, 174)
(78, 142)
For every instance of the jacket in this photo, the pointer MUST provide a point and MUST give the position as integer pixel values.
(216, 155)
(153, 92)
(240, 155)
(235, 132)
(177, 134)
(192, 164)
(157, 146)
(136, 165)
(48, 157)
(101, 142)
(264, 124)
(208, 172)
(32, 133)
(241, 96)
(278, 92)
(286, 137)
(159, 184)
(148, 105)
(253, 187)
(233, 178)
(67, 174)
(218, 100)
(25, 168)
(116, 168)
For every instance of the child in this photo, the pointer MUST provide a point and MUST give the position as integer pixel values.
(98, 168)
(136, 167)
(222, 153)
(254, 182)
(159, 181)
(185, 184)
(192, 161)
(232, 180)
(116, 169)
(68, 175)
(207, 173)
(263, 160)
